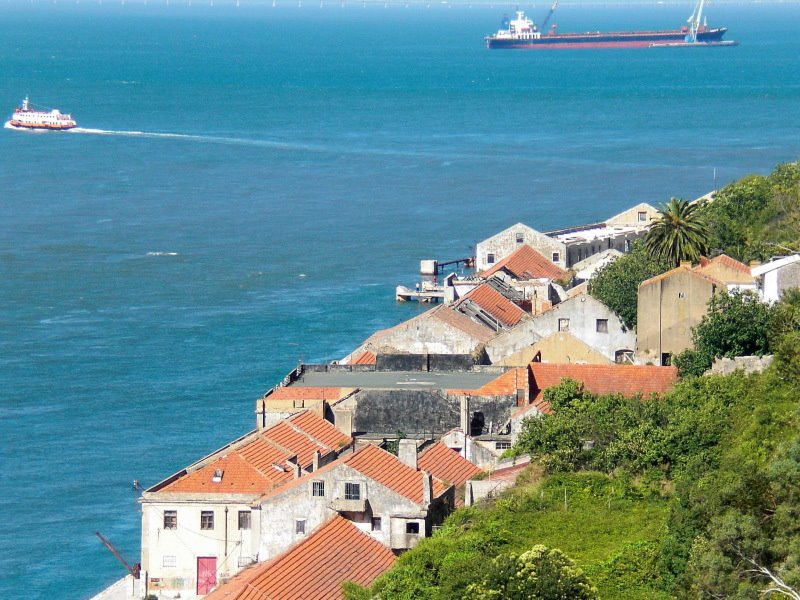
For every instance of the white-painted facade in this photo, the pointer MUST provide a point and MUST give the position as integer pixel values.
(775, 277)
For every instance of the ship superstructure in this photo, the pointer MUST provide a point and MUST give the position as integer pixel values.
(27, 117)
(522, 32)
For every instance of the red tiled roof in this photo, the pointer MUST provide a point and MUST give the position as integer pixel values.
(286, 436)
(724, 259)
(315, 568)
(446, 464)
(293, 392)
(494, 303)
(677, 270)
(527, 263)
(320, 429)
(506, 384)
(238, 477)
(627, 380)
(365, 358)
(388, 470)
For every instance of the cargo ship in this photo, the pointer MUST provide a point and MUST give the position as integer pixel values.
(522, 33)
(27, 117)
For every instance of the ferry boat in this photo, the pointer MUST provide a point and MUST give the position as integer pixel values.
(523, 33)
(27, 117)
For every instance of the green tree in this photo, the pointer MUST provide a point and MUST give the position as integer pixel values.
(617, 284)
(538, 574)
(679, 234)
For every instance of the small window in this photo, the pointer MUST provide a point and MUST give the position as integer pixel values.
(412, 528)
(244, 519)
(681, 295)
(642, 216)
(490, 258)
(207, 519)
(352, 491)
(376, 523)
(520, 238)
(170, 519)
(502, 445)
(169, 560)
(300, 526)
(666, 359)
(557, 257)
(602, 325)
(563, 324)
(318, 489)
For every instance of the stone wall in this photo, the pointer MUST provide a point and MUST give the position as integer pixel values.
(748, 364)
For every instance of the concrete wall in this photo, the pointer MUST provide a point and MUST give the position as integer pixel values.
(787, 278)
(582, 312)
(188, 541)
(748, 364)
(280, 513)
(424, 362)
(668, 308)
(505, 242)
(581, 250)
(633, 217)
(421, 412)
(428, 335)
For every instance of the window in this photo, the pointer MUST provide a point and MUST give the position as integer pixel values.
(376, 523)
(412, 528)
(602, 325)
(642, 216)
(556, 257)
(300, 526)
(170, 519)
(207, 519)
(502, 445)
(352, 491)
(681, 295)
(520, 238)
(318, 489)
(563, 324)
(244, 519)
(169, 561)
(490, 258)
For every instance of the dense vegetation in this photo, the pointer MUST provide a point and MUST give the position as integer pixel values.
(693, 495)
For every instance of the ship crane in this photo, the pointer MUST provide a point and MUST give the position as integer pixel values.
(550, 14)
(694, 21)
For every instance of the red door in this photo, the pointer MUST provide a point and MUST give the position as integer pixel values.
(206, 574)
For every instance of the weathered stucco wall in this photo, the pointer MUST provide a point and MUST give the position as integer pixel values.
(507, 241)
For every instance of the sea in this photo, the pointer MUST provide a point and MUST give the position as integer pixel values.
(248, 184)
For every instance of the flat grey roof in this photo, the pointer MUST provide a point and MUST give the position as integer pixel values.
(407, 380)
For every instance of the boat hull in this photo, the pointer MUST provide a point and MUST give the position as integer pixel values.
(41, 126)
(626, 39)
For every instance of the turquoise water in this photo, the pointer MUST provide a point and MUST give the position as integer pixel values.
(152, 286)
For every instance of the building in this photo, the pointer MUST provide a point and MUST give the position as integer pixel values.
(734, 274)
(628, 380)
(497, 247)
(668, 306)
(337, 551)
(395, 503)
(777, 276)
(582, 316)
(203, 524)
(559, 347)
(284, 401)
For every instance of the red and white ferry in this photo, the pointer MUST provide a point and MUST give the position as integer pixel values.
(27, 117)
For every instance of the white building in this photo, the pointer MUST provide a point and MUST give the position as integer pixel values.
(777, 276)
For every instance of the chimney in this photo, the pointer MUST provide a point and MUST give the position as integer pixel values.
(407, 452)
(427, 486)
(315, 461)
(755, 263)
(465, 420)
(296, 469)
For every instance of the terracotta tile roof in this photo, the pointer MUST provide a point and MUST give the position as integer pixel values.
(388, 470)
(463, 323)
(293, 392)
(627, 380)
(446, 464)
(320, 429)
(298, 443)
(724, 259)
(365, 358)
(510, 473)
(313, 569)
(494, 303)
(677, 270)
(527, 263)
(238, 477)
(506, 384)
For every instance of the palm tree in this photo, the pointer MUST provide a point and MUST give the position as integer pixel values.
(679, 234)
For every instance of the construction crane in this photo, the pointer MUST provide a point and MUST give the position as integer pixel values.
(550, 14)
